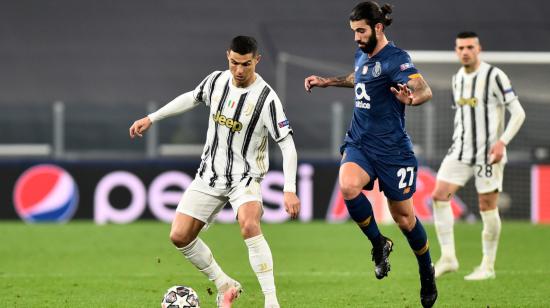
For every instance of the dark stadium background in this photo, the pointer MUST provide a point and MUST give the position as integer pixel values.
(106, 61)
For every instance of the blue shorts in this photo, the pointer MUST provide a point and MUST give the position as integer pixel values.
(396, 174)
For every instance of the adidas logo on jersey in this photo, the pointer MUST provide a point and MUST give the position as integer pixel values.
(233, 125)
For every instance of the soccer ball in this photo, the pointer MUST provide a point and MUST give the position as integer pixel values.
(180, 297)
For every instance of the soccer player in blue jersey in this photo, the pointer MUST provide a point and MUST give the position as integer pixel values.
(376, 145)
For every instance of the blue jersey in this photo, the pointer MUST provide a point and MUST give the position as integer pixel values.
(378, 123)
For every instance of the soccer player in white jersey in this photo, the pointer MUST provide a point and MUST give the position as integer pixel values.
(481, 94)
(243, 111)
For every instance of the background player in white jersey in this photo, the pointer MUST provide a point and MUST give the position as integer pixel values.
(243, 110)
(481, 93)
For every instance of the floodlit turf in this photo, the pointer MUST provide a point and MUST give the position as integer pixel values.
(316, 265)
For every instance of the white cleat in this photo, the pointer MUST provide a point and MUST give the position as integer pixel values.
(481, 273)
(445, 265)
(272, 306)
(228, 293)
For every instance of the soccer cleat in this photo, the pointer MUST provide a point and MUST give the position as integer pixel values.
(380, 256)
(228, 293)
(445, 265)
(481, 273)
(428, 289)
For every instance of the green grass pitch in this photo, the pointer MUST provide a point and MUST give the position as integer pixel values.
(316, 265)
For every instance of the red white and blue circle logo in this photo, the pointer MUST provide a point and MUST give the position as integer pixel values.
(45, 193)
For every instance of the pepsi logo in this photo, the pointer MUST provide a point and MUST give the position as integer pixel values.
(45, 193)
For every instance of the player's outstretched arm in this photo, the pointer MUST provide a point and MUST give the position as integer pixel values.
(415, 92)
(290, 164)
(139, 127)
(178, 105)
(346, 81)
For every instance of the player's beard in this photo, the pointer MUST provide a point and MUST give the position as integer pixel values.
(371, 43)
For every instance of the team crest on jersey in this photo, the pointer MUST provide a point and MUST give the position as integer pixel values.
(365, 69)
(248, 109)
(377, 69)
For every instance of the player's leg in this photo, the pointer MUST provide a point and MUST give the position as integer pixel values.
(397, 179)
(195, 210)
(452, 175)
(403, 214)
(185, 230)
(246, 200)
(444, 226)
(488, 184)
(352, 179)
(354, 176)
(259, 253)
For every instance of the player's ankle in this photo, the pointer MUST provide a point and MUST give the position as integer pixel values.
(221, 281)
(271, 299)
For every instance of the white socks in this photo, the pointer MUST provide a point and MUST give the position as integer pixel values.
(444, 223)
(490, 237)
(201, 257)
(261, 261)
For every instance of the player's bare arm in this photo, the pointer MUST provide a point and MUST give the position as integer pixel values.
(139, 127)
(415, 92)
(346, 81)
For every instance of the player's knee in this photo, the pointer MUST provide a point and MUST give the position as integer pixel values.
(441, 195)
(350, 190)
(405, 222)
(250, 228)
(180, 239)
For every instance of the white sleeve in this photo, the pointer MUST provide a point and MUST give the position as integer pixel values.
(517, 116)
(504, 91)
(275, 120)
(290, 163)
(178, 105)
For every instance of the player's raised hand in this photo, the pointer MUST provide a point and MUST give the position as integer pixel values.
(292, 204)
(139, 127)
(497, 152)
(315, 81)
(403, 94)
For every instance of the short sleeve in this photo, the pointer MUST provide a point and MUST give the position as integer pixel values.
(204, 90)
(275, 120)
(503, 88)
(402, 69)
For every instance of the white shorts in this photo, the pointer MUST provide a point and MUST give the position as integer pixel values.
(488, 177)
(203, 202)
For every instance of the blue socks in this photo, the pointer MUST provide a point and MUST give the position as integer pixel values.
(418, 240)
(360, 211)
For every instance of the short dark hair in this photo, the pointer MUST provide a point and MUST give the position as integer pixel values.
(372, 13)
(244, 44)
(467, 34)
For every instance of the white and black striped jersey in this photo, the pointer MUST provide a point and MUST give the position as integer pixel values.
(480, 99)
(237, 139)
